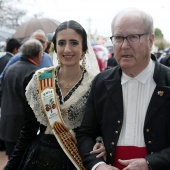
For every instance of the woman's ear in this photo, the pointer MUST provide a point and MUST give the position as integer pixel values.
(82, 56)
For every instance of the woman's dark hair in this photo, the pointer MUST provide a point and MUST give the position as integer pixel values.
(75, 26)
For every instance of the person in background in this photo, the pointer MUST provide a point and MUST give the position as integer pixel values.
(166, 60)
(129, 105)
(61, 91)
(46, 60)
(12, 48)
(100, 63)
(111, 62)
(13, 101)
(48, 48)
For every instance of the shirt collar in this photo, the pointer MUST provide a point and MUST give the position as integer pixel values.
(10, 53)
(141, 77)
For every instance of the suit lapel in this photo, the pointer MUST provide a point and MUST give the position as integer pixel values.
(161, 92)
(159, 97)
(114, 89)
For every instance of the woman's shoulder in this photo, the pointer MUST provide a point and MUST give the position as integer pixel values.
(43, 70)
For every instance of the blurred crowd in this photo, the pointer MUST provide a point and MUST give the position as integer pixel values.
(104, 55)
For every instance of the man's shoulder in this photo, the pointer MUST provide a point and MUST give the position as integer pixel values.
(6, 57)
(22, 65)
(2, 54)
(15, 58)
(165, 61)
(110, 73)
(46, 55)
(46, 61)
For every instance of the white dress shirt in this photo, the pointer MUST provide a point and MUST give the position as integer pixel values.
(137, 93)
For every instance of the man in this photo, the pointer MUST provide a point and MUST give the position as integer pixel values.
(46, 60)
(111, 62)
(13, 101)
(129, 105)
(12, 48)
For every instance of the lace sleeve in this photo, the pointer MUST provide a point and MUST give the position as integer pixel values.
(33, 98)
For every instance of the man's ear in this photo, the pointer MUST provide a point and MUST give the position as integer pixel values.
(39, 58)
(151, 40)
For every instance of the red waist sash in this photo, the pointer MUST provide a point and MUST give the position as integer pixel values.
(128, 152)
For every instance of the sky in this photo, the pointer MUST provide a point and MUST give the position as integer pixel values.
(98, 14)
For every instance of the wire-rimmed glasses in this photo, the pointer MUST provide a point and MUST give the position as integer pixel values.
(132, 38)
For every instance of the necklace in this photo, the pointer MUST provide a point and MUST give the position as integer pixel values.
(67, 85)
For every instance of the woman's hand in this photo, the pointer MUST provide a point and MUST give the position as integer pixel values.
(100, 150)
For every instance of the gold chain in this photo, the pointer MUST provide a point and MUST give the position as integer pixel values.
(67, 84)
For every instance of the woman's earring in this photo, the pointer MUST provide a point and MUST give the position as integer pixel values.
(58, 61)
(84, 62)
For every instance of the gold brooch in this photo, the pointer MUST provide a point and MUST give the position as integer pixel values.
(160, 93)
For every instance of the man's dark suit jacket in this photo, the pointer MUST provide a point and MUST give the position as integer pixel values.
(104, 116)
(13, 102)
(4, 60)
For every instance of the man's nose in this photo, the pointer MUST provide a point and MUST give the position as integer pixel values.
(125, 43)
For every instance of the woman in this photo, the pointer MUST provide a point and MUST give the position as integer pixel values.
(54, 91)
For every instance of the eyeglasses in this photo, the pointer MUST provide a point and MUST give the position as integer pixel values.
(132, 38)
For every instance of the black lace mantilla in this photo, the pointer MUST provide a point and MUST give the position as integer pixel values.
(58, 90)
(73, 113)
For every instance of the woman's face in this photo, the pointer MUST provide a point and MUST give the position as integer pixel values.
(69, 47)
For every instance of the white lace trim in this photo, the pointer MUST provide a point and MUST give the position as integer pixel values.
(74, 106)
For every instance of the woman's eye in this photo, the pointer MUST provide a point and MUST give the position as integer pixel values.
(74, 42)
(61, 43)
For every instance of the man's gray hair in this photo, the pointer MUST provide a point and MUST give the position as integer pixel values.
(147, 19)
(39, 31)
(31, 48)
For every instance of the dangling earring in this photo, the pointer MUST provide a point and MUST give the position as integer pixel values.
(84, 62)
(58, 61)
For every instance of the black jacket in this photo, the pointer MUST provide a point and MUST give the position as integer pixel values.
(104, 117)
(166, 61)
(4, 60)
(13, 99)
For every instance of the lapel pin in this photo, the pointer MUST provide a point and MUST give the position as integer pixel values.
(160, 93)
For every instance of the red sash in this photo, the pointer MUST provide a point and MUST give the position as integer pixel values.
(128, 152)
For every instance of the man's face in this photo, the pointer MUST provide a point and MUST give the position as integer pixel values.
(41, 37)
(132, 57)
